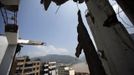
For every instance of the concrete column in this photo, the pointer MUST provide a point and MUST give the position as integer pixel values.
(112, 39)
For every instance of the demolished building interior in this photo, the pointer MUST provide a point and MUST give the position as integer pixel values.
(113, 42)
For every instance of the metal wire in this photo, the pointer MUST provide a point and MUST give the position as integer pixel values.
(6, 15)
(118, 13)
(3, 16)
(57, 9)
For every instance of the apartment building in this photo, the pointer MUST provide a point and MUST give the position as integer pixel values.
(65, 70)
(81, 68)
(27, 67)
(49, 68)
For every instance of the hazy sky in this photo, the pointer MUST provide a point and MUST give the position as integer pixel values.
(58, 30)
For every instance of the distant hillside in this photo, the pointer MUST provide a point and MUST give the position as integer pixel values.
(65, 59)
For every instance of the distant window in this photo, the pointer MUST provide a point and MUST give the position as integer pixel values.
(36, 73)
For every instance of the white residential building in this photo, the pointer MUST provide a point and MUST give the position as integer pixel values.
(65, 70)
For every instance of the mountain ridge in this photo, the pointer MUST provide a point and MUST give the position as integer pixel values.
(64, 59)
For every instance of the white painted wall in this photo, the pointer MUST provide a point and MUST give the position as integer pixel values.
(3, 47)
(71, 72)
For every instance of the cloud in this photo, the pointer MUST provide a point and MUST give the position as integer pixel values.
(52, 49)
(44, 50)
